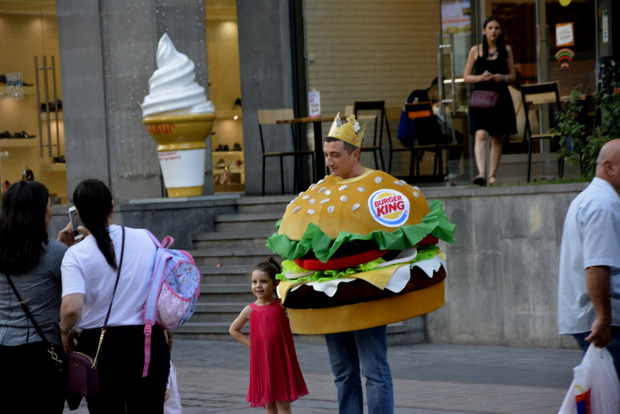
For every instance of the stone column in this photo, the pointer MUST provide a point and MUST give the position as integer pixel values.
(107, 54)
(266, 83)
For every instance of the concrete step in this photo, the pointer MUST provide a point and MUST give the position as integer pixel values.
(231, 257)
(257, 205)
(241, 222)
(217, 312)
(238, 274)
(231, 240)
(226, 292)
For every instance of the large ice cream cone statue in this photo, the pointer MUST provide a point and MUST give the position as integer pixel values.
(181, 145)
(179, 118)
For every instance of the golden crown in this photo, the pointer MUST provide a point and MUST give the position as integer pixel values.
(350, 131)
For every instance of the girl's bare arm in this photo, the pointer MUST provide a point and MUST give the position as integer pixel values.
(238, 323)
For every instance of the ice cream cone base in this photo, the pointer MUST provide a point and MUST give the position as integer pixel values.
(182, 149)
(183, 171)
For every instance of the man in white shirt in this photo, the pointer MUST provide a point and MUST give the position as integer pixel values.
(589, 274)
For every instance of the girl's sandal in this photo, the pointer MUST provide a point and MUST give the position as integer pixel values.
(479, 179)
(493, 181)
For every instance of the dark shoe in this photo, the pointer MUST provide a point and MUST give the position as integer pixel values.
(236, 147)
(23, 134)
(219, 147)
(480, 180)
(225, 148)
(5, 134)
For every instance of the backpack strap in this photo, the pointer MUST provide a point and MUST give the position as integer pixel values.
(150, 306)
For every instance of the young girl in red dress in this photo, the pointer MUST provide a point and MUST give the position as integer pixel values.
(275, 376)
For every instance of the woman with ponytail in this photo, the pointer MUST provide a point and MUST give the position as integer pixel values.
(89, 271)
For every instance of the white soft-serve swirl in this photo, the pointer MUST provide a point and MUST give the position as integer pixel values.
(172, 88)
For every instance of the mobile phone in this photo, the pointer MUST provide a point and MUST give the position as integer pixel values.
(75, 223)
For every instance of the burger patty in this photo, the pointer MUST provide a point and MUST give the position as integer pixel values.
(305, 297)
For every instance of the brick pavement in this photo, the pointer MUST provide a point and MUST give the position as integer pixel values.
(428, 378)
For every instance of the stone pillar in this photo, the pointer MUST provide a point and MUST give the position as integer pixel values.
(266, 83)
(107, 54)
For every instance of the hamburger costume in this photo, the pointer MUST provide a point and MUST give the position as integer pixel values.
(360, 252)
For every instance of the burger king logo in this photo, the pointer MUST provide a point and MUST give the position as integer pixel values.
(389, 208)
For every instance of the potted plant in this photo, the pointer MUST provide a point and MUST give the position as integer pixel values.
(575, 143)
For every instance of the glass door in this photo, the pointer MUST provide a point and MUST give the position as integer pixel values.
(453, 44)
(551, 40)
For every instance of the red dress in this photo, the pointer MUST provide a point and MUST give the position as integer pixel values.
(274, 371)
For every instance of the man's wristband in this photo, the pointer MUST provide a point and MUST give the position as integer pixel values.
(62, 331)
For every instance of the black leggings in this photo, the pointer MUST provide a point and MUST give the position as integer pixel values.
(121, 360)
(30, 382)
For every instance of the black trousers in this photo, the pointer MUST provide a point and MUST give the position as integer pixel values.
(121, 360)
(30, 382)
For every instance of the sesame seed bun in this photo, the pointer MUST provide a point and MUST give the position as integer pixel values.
(337, 205)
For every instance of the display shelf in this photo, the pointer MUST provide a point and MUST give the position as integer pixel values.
(240, 152)
(55, 167)
(229, 157)
(18, 142)
(228, 114)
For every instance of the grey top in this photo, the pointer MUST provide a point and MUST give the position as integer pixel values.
(40, 288)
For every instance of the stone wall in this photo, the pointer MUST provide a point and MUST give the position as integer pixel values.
(503, 267)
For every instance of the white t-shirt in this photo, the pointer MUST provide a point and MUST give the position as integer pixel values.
(85, 270)
(591, 237)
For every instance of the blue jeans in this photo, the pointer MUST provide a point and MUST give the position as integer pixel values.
(368, 347)
(613, 347)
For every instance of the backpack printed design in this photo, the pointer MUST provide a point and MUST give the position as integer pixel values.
(173, 294)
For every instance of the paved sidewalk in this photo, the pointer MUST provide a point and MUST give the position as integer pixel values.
(428, 378)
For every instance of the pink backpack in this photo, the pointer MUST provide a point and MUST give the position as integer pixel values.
(173, 293)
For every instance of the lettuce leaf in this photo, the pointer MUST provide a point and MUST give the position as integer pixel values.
(424, 253)
(435, 222)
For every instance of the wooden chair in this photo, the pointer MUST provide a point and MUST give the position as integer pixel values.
(268, 117)
(546, 93)
(376, 110)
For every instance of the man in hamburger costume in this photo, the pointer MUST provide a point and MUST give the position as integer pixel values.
(361, 252)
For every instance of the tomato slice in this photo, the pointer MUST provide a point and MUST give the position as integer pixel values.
(340, 262)
(312, 263)
(429, 240)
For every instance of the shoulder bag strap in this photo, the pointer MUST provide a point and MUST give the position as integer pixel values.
(118, 275)
(24, 307)
(22, 304)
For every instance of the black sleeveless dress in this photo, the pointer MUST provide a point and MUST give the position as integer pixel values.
(501, 119)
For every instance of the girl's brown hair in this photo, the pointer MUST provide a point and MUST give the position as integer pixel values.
(269, 266)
